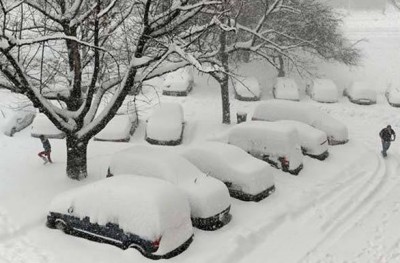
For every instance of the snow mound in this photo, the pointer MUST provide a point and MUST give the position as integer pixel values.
(231, 164)
(392, 95)
(271, 139)
(313, 141)
(148, 207)
(274, 110)
(179, 82)
(165, 124)
(207, 196)
(120, 128)
(43, 126)
(286, 88)
(247, 89)
(361, 92)
(323, 90)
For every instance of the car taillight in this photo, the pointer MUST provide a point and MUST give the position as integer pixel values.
(156, 243)
(285, 161)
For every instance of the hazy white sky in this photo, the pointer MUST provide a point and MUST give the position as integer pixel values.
(358, 4)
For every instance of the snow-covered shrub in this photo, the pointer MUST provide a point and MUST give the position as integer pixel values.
(247, 178)
(274, 110)
(247, 89)
(152, 209)
(43, 126)
(165, 124)
(323, 90)
(207, 196)
(361, 93)
(179, 82)
(273, 142)
(313, 142)
(286, 88)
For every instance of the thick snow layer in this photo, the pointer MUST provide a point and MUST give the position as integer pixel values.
(273, 110)
(312, 140)
(229, 163)
(118, 129)
(207, 196)
(18, 120)
(268, 138)
(43, 126)
(361, 91)
(323, 90)
(393, 95)
(166, 122)
(286, 88)
(143, 206)
(180, 80)
(247, 88)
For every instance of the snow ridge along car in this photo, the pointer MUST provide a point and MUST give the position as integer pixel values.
(360, 93)
(246, 177)
(209, 198)
(275, 143)
(147, 214)
(286, 89)
(165, 124)
(274, 110)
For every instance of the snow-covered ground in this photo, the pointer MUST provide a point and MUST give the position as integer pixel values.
(343, 209)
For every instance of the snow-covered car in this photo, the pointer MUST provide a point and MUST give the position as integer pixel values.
(286, 89)
(247, 89)
(314, 142)
(119, 129)
(275, 143)
(246, 177)
(147, 214)
(17, 121)
(274, 110)
(361, 93)
(323, 90)
(392, 95)
(43, 126)
(209, 198)
(165, 124)
(179, 82)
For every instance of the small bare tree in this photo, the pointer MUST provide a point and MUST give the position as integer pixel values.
(75, 51)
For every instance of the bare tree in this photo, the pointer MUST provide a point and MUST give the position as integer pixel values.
(88, 51)
(278, 31)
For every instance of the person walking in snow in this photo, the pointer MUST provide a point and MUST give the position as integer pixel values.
(45, 155)
(387, 136)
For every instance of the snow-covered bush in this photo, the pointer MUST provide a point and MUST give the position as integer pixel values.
(286, 88)
(165, 124)
(179, 82)
(361, 93)
(154, 210)
(247, 178)
(247, 89)
(275, 143)
(313, 142)
(43, 126)
(274, 110)
(120, 128)
(392, 95)
(323, 90)
(207, 196)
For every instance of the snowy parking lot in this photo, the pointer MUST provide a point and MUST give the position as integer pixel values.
(343, 209)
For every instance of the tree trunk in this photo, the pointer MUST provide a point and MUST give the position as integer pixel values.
(226, 113)
(76, 158)
(281, 70)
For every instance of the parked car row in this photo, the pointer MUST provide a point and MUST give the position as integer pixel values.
(153, 197)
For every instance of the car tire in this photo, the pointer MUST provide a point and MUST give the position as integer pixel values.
(61, 225)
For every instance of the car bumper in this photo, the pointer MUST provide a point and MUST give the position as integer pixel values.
(250, 197)
(214, 222)
(320, 157)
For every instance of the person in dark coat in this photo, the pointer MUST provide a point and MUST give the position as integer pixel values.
(387, 136)
(45, 155)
